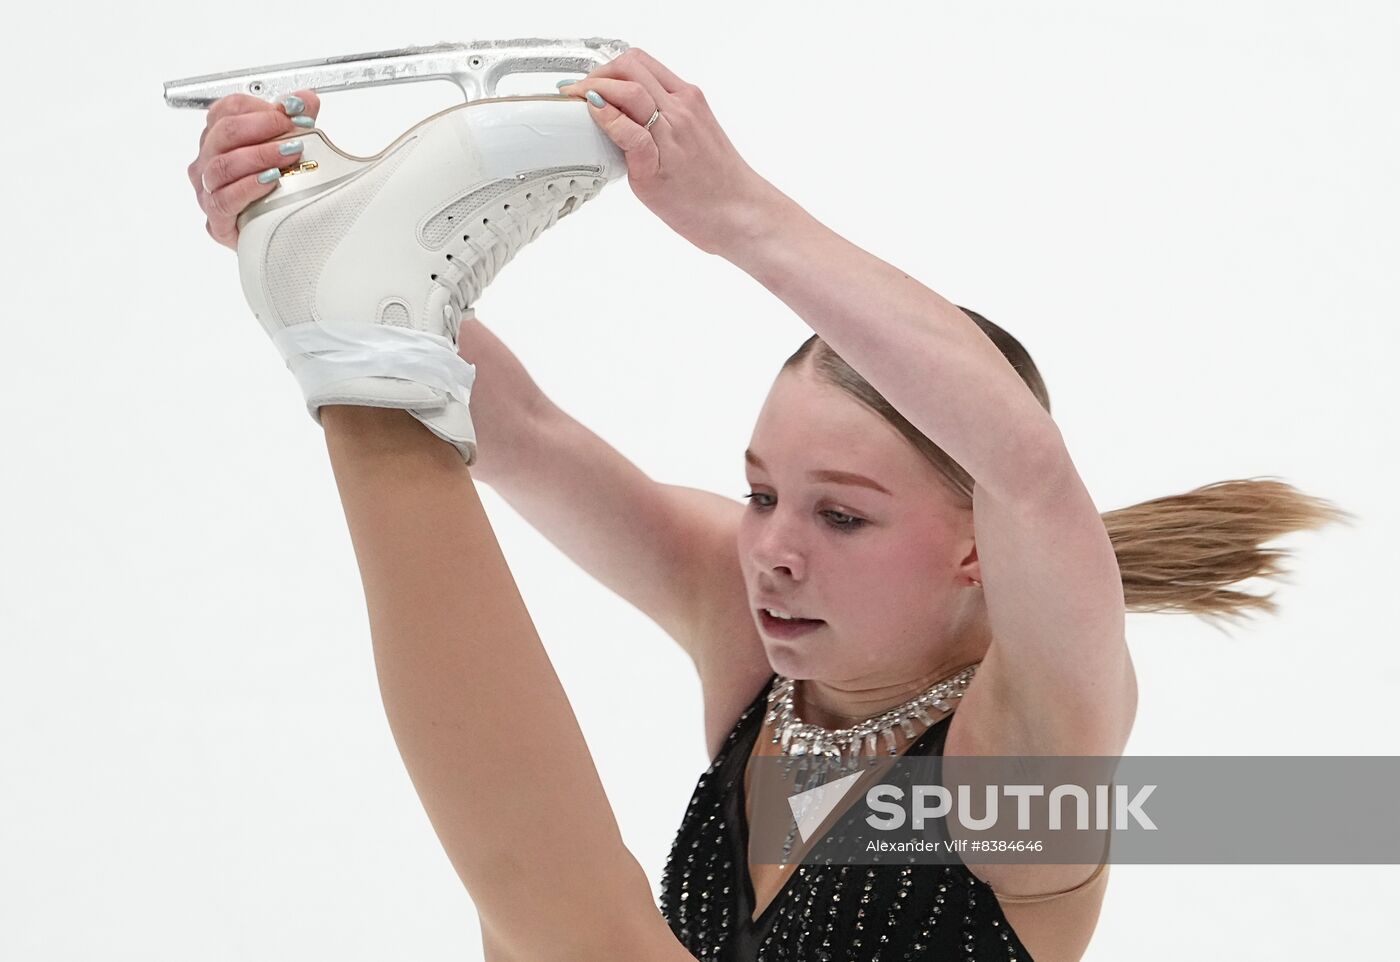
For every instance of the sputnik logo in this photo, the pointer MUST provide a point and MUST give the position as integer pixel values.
(810, 808)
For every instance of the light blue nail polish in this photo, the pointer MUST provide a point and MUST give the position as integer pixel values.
(595, 99)
(304, 121)
(288, 147)
(293, 104)
(269, 175)
(565, 83)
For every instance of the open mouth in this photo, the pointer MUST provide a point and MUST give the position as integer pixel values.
(787, 627)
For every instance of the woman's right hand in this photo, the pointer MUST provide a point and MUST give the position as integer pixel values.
(235, 147)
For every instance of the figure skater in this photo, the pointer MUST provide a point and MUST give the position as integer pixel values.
(915, 525)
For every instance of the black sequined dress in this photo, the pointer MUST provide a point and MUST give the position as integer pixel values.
(825, 913)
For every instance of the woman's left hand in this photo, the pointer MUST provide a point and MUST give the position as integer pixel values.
(684, 169)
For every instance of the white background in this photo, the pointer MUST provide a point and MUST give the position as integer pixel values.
(1187, 212)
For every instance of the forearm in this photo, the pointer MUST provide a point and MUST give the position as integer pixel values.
(638, 537)
(576, 490)
(477, 712)
(507, 409)
(927, 357)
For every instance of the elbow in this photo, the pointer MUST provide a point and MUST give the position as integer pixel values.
(1048, 471)
(1038, 470)
(1114, 710)
(1130, 696)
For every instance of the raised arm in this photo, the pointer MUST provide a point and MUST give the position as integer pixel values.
(1053, 591)
(658, 546)
(1058, 678)
(477, 712)
(669, 550)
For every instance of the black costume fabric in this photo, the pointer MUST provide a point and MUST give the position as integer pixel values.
(826, 912)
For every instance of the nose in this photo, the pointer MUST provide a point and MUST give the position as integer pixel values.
(776, 549)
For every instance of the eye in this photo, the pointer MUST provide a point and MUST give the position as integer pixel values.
(839, 520)
(843, 521)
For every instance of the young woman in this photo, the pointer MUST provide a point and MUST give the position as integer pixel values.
(916, 526)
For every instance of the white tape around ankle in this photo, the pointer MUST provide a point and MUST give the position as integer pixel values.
(343, 351)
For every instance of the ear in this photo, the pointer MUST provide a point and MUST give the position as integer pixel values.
(969, 571)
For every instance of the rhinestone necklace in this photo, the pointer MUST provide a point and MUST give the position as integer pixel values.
(842, 748)
(798, 739)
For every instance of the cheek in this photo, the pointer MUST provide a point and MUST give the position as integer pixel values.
(744, 542)
(893, 579)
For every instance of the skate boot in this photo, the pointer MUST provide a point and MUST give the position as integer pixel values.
(360, 268)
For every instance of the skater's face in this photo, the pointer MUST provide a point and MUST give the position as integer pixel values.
(848, 524)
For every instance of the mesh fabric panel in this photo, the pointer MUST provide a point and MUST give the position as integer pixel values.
(303, 242)
(395, 314)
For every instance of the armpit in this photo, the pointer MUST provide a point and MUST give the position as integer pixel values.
(1052, 895)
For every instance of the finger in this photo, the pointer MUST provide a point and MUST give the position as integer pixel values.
(311, 103)
(225, 168)
(629, 96)
(630, 66)
(241, 140)
(302, 103)
(233, 104)
(245, 103)
(638, 146)
(669, 81)
(233, 131)
(238, 119)
(242, 130)
(223, 206)
(229, 242)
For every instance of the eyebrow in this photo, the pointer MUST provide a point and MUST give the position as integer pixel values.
(836, 477)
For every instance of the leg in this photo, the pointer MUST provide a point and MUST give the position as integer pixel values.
(476, 710)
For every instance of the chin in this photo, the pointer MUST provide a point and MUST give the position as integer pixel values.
(789, 660)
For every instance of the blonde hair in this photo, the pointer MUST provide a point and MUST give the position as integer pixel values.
(1180, 553)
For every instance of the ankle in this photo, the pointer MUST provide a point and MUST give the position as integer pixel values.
(362, 418)
(364, 431)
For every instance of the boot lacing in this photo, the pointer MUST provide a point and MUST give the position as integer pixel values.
(506, 226)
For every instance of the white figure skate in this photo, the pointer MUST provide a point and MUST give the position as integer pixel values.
(361, 268)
